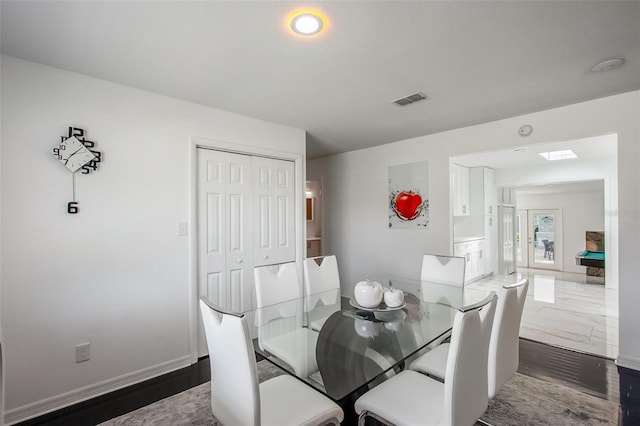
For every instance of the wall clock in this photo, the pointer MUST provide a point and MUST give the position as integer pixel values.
(76, 152)
(73, 154)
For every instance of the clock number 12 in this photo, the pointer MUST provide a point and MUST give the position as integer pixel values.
(72, 207)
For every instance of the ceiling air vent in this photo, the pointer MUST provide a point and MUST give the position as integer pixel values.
(407, 100)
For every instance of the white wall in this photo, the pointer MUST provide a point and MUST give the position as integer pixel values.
(116, 274)
(1, 328)
(355, 196)
(581, 212)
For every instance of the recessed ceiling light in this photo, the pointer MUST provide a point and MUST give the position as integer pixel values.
(558, 155)
(607, 64)
(307, 22)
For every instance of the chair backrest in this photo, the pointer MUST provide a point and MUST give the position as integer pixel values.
(443, 269)
(504, 348)
(276, 284)
(235, 395)
(465, 382)
(320, 278)
(319, 281)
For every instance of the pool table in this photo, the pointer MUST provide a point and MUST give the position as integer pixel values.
(590, 258)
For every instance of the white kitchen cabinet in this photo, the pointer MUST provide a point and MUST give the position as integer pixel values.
(460, 178)
(474, 253)
(483, 218)
(506, 196)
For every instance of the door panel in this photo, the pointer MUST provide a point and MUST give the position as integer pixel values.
(214, 227)
(508, 243)
(274, 193)
(264, 222)
(545, 239)
(522, 238)
(283, 219)
(215, 291)
(224, 193)
(236, 224)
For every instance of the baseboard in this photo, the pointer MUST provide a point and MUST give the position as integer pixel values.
(57, 402)
(628, 362)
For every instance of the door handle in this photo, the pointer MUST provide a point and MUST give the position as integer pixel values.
(265, 257)
(238, 260)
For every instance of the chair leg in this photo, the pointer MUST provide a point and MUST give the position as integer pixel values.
(362, 418)
(365, 413)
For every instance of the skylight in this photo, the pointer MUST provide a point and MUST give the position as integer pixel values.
(558, 155)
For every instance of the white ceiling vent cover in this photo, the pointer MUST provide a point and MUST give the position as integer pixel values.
(413, 98)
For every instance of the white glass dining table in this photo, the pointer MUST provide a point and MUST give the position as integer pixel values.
(341, 349)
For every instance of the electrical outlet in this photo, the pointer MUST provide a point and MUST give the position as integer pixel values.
(182, 229)
(83, 352)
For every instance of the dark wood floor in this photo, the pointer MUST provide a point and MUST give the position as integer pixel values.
(590, 374)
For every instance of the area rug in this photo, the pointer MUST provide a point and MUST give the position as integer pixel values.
(522, 401)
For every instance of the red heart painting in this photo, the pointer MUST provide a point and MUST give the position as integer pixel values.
(407, 205)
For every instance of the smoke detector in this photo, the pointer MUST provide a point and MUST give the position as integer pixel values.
(525, 130)
(607, 64)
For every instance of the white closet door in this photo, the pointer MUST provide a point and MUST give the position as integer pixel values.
(225, 270)
(245, 212)
(274, 195)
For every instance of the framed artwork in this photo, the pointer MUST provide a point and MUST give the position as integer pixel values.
(409, 196)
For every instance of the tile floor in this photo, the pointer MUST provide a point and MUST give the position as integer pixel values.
(562, 309)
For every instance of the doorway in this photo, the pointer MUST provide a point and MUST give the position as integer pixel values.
(315, 240)
(539, 239)
(570, 197)
(506, 236)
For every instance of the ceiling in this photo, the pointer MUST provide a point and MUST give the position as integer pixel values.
(597, 148)
(476, 61)
(585, 186)
(588, 151)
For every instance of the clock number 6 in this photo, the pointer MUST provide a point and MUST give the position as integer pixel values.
(72, 207)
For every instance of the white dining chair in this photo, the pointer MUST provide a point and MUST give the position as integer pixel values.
(322, 289)
(504, 348)
(504, 345)
(442, 279)
(236, 396)
(280, 318)
(321, 277)
(443, 269)
(412, 398)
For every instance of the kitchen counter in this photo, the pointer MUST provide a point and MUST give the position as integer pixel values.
(457, 240)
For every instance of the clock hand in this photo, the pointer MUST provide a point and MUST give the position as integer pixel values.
(72, 154)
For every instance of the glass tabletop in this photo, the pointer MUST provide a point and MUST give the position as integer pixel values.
(338, 348)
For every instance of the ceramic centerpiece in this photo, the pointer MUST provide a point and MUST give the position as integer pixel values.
(393, 297)
(368, 294)
(366, 328)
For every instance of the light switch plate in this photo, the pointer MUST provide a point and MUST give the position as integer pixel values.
(83, 352)
(182, 229)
